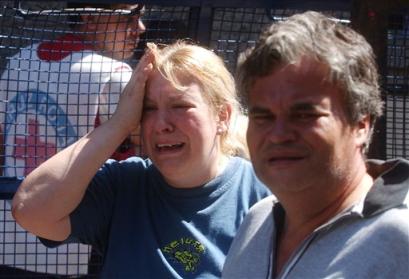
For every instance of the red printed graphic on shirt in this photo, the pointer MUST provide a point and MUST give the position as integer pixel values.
(31, 149)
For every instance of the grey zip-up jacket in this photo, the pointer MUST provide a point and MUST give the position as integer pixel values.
(370, 240)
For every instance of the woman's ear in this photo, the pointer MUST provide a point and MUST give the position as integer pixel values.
(224, 116)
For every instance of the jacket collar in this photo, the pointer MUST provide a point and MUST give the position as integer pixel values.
(390, 187)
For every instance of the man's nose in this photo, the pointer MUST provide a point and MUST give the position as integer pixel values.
(137, 28)
(141, 26)
(281, 131)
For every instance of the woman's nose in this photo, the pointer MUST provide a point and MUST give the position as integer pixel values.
(163, 122)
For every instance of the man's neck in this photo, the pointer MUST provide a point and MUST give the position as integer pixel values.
(305, 212)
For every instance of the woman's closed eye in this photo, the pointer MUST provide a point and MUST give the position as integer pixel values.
(182, 106)
(147, 108)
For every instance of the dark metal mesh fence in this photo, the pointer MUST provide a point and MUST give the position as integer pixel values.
(236, 29)
(397, 87)
(54, 88)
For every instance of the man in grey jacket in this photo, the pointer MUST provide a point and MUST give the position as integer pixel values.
(311, 86)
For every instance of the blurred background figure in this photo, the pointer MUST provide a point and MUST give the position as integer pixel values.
(55, 92)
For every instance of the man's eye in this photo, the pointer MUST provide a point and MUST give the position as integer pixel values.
(261, 117)
(306, 115)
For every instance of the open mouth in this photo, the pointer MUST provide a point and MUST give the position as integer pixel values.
(169, 147)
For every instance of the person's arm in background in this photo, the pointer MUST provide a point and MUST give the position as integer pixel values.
(48, 195)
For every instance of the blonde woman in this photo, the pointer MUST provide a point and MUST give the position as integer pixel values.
(173, 215)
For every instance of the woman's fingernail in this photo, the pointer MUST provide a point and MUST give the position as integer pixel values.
(151, 46)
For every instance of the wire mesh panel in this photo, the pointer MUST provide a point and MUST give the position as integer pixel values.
(21, 250)
(61, 76)
(236, 29)
(397, 87)
(165, 24)
(62, 69)
(56, 86)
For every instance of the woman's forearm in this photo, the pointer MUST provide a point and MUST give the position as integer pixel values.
(52, 191)
(48, 195)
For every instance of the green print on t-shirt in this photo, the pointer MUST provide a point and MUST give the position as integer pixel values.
(185, 251)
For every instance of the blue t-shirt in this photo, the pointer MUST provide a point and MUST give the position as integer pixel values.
(146, 228)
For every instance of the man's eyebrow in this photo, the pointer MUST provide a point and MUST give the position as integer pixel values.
(258, 110)
(304, 106)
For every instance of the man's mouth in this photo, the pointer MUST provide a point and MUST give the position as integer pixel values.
(278, 159)
(274, 159)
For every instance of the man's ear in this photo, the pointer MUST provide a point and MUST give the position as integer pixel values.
(224, 115)
(363, 131)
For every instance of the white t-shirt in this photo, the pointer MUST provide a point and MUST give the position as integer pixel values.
(51, 94)
(48, 102)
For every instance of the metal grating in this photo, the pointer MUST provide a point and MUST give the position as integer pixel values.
(49, 98)
(21, 249)
(397, 87)
(227, 30)
(236, 29)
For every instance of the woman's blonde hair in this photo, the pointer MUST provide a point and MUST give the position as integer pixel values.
(182, 63)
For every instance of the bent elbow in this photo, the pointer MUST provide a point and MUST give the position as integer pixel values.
(36, 221)
(19, 213)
